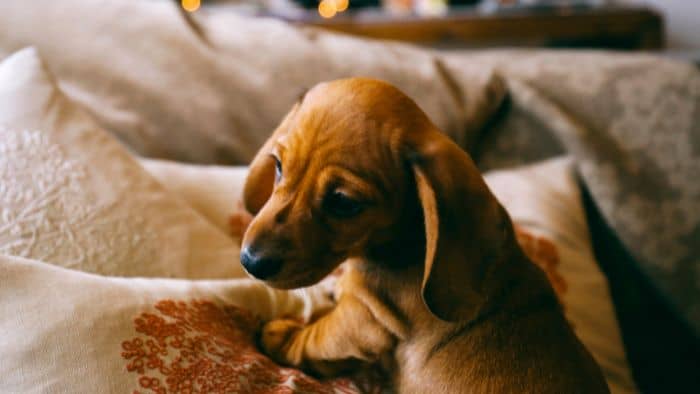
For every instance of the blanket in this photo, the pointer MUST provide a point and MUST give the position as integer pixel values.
(632, 122)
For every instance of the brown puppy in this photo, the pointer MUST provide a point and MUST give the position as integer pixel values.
(435, 280)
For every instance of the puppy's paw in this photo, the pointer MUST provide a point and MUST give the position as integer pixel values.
(275, 337)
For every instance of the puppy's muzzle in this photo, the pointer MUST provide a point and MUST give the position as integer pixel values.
(259, 265)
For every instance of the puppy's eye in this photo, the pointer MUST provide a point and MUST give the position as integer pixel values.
(278, 169)
(341, 205)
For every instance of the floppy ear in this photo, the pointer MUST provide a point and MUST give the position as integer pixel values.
(465, 227)
(261, 172)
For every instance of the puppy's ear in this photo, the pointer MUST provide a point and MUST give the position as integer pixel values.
(464, 226)
(261, 173)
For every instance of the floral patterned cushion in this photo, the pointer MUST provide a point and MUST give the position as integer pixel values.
(71, 195)
(68, 331)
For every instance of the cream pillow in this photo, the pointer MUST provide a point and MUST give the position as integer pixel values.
(169, 91)
(544, 199)
(545, 203)
(65, 331)
(71, 195)
(213, 191)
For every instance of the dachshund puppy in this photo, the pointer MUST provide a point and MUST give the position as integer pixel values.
(435, 283)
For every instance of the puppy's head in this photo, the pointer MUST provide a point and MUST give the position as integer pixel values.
(356, 165)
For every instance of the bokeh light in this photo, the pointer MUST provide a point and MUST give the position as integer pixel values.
(191, 5)
(341, 5)
(327, 9)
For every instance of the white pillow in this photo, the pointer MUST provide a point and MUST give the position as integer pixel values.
(65, 331)
(213, 191)
(72, 195)
(543, 199)
(168, 92)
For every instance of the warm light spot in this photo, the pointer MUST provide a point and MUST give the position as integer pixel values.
(326, 8)
(341, 5)
(191, 5)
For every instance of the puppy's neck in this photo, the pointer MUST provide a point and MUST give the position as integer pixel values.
(398, 254)
(512, 283)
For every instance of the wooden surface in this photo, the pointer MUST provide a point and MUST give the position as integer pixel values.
(620, 27)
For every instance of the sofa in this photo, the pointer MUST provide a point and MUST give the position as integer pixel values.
(191, 98)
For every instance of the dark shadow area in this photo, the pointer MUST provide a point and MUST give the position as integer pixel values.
(663, 351)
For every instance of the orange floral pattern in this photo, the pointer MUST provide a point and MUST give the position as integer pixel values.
(200, 347)
(543, 253)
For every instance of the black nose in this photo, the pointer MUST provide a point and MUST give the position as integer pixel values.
(258, 265)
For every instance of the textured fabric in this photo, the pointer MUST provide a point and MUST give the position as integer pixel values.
(65, 331)
(632, 123)
(168, 92)
(213, 191)
(72, 196)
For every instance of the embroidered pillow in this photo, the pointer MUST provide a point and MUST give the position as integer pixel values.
(71, 195)
(66, 331)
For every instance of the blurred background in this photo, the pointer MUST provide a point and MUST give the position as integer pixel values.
(669, 25)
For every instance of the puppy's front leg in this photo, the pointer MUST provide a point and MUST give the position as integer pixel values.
(332, 343)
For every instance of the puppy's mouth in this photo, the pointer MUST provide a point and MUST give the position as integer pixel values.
(296, 280)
